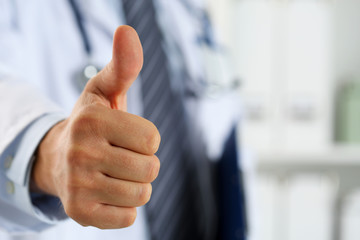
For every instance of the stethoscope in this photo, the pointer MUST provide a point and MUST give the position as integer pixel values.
(90, 69)
(206, 38)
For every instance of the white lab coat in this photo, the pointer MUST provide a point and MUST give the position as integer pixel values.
(40, 51)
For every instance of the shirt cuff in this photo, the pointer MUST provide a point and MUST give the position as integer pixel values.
(18, 159)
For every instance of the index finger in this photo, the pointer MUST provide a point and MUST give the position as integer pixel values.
(132, 132)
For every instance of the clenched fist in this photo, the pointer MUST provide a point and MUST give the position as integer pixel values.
(100, 161)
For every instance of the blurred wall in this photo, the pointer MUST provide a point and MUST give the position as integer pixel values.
(293, 57)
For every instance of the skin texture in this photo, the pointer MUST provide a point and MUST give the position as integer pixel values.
(100, 161)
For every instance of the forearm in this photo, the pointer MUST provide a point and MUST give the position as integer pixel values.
(42, 173)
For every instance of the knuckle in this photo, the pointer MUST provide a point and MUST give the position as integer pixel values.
(70, 210)
(79, 122)
(75, 158)
(73, 188)
(129, 218)
(79, 209)
(153, 169)
(87, 119)
(144, 193)
(153, 138)
(82, 213)
(73, 210)
(81, 160)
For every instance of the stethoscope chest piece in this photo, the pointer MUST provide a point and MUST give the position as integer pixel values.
(89, 70)
(85, 74)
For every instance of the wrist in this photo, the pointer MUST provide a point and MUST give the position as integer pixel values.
(46, 158)
(32, 185)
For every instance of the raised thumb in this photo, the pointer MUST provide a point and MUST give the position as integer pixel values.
(115, 79)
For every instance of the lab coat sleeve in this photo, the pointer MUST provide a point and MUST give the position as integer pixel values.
(20, 210)
(25, 117)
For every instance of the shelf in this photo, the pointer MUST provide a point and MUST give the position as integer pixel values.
(339, 154)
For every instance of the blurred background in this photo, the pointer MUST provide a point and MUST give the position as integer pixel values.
(299, 66)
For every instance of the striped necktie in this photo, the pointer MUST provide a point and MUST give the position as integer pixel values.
(171, 212)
